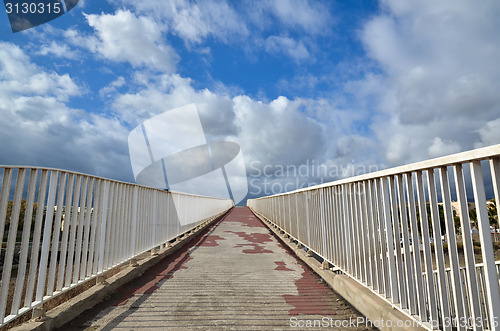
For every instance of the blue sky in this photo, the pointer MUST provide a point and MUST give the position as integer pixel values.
(348, 85)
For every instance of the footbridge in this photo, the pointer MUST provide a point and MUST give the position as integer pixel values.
(412, 247)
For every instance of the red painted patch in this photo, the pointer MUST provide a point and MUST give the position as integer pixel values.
(312, 298)
(285, 247)
(149, 281)
(257, 249)
(255, 238)
(281, 266)
(245, 216)
(210, 241)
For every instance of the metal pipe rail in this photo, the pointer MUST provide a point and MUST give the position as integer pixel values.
(59, 229)
(369, 227)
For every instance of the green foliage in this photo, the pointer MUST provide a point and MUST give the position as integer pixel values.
(493, 213)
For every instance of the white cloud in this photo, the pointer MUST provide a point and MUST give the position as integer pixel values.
(112, 87)
(434, 92)
(59, 50)
(440, 69)
(194, 21)
(37, 128)
(306, 15)
(441, 148)
(18, 76)
(280, 131)
(490, 134)
(277, 132)
(124, 37)
(296, 50)
(245, 23)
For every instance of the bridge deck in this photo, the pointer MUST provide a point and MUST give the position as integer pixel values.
(235, 276)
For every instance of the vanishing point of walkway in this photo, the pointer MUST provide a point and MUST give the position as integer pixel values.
(234, 276)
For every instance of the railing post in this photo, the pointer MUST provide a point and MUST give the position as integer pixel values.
(452, 246)
(42, 271)
(11, 241)
(490, 273)
(104, 212)
(307, 220)
(322, 216)
(297, 214)
(424, 228)
(346, 229)
(495, 177)
(389, 241)
(133, 234)
(470, 264)
(155, 218)
(23, 255)
(363, 232)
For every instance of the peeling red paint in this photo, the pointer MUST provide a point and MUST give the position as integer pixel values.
(149, 281)
(210, 241)
(255, 238)
(246, 217)
(285, 247)
(312, 298)
(257, 249)
(281, 266)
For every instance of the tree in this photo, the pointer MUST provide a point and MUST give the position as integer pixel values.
(493, 214)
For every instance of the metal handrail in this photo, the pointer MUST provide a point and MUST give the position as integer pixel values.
(363, 225)
(77, 226)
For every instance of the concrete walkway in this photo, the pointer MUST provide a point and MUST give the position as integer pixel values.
(235, 276)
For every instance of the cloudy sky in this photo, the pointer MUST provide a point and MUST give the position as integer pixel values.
(348, 85)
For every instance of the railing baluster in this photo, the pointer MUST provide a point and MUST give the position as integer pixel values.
(417, 262)
(94, 226)
(297, 216)
(25, 244)
(452, 247)
(11, 240)
(360, 219)
(86, 236)
(384, 279)
(35, 250)
(495, 177)
(65, 235)
(374, 253)
(4, 199)
(490, 274)
(408, 281)
(438, 249)
(394, 293)
(81, 222)
(356, 233)
(47, 231)
(57, 231)
(426, 243)
(401, 283)
(103, 226)
(366, 233)
(73, 225)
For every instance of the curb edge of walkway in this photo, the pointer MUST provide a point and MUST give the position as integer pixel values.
(363, 299)
(69, 310)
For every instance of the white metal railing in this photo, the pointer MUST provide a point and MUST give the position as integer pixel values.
(60, 228)
(369, 227)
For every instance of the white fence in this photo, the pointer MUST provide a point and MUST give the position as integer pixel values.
(59, 229)
(369, 227)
